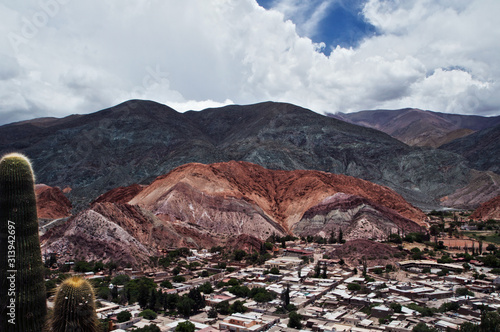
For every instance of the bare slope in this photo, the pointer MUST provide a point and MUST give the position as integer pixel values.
(198, 205)
(278, 197)
(488, 210)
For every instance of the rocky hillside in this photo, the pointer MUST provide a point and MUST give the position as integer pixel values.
(481, 149)
(137, 141)
(235, 203)
(51, 203)
(121, 233)
(483, 187)
(488, 210)
(420, 128)
(205, 194)
(358, 218)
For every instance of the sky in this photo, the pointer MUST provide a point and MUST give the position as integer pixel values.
(61, 57)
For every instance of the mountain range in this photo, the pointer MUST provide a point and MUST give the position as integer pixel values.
(418, 127)
(136, 141)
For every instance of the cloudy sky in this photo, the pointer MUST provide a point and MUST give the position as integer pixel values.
(59, 57)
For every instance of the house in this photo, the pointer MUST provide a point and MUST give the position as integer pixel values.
(253, 322)
(283, 263)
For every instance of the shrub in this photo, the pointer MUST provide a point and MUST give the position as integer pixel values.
(148, 314)
(123, 316)
(353, 286)
(178, 279)
(294, 321)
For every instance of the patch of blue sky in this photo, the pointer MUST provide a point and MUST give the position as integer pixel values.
(341, 23)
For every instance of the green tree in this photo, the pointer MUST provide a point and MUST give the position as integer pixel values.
(123, 316)
(354, 286)
(206, 288)
(103, 293)
(98, 266)
(463, 291)
(240, 291)
(148, 328)
(120, 279)
(198, 299)
(185, 306)
(294, 321)
(274, 270)
(212, 313)
(114, 294)
(143, 296)
(148, 314)
(111, 266)
(186, 326)
(395, 238)
(396, 307)
(166, 284)
(490, 320)
(153, 300)
(223, 307)
(178, 279)
(317, 270)
(286, 296)
(449, 306)
(233, 282)
(469, 327)
(239, 254)
(170, 302)
(422, 327)
(491, 247)
(261, 294)
(237, 306)
(82, 266)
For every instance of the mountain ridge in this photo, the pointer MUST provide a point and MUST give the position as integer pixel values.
(136, 141)
(418, 127)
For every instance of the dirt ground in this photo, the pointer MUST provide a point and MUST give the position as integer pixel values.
(451, 244)
(459, 244)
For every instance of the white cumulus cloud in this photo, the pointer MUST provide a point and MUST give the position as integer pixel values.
(61, 56)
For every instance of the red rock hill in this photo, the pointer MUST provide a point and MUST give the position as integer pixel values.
(211, 196)
(51, 202)
(237, 204)
(488, 210)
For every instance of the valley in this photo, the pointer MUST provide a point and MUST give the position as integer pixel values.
(271, 197)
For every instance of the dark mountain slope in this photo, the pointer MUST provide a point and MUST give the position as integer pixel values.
(481, 149)
(138, 140)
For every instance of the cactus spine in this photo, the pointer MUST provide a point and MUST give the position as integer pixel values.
(74, 307)
(22, 287)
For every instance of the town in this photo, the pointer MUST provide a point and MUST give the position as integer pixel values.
(449, 284)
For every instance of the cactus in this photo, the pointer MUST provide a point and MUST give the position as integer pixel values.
(74, 307)
(22, 287)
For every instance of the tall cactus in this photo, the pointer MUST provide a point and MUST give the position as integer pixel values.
(22, 286)
(74, 307)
